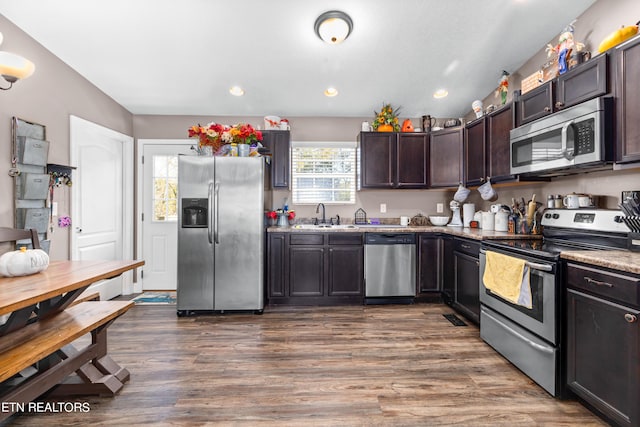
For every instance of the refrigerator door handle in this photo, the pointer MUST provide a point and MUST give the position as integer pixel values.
(216, 212)
(210, 209)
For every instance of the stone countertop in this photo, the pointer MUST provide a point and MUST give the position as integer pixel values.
(470, 233)
(622, 260)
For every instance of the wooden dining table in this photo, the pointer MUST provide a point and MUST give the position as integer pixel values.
(39, 326)
(37, 296)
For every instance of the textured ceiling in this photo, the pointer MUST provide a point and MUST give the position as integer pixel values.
(181, 57)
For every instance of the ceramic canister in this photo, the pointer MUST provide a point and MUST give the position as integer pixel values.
(502, 221)
(488, 221)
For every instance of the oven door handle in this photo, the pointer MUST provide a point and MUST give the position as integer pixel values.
(531, 265)
(537, 266)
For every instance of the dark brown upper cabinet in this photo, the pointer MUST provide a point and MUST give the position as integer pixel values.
(278, 141)
(394, 160)
(627, 91)
(475, 150)
(499, 125)
(446, 149)
(583, 82)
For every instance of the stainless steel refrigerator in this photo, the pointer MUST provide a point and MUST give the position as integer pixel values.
(220, 234)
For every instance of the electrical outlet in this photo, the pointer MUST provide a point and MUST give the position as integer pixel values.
(439, 207)
(54, 209)
(383, 208)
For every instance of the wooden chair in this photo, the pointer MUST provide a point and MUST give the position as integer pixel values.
(14, 234)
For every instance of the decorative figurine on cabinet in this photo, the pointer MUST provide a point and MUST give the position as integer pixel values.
(564, 48)
(503, 87)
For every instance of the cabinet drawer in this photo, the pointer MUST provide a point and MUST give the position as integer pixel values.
(306, 239)
(345, 239)
(467, 247)
(612, 286)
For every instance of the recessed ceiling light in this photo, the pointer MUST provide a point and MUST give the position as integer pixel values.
(440, 93)
(236, 91)
(330, 92)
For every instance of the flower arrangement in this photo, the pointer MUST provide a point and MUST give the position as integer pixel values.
(387, 117)
(215, 134)
(209, 135)
(242, 133)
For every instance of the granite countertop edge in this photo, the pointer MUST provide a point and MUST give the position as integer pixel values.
(621, 260)
(470, 233)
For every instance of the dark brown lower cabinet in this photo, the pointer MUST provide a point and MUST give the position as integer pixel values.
(315, 268)
(448, 273)
(467, 278)
(603, 342)
(429, 264)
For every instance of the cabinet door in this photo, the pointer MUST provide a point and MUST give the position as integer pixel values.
(467, 295)
(377, 151)
(346, 271)
(306, 271)
(412, 154)
(499, 124)
(278, 141)
(448, 270)
(586, 81)
(276, 281)
(429, 263)
(474, 152)
(535, 104)
(445, 168)
(602, 356)
(628, 101)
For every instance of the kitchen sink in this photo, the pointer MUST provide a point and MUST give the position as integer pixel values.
(323, 226)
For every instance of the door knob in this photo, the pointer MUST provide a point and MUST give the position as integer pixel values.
(78, 229)
(631, 318)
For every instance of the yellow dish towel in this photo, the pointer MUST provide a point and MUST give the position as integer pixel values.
(507, 277)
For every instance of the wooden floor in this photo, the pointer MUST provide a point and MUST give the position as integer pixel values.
(308, 366)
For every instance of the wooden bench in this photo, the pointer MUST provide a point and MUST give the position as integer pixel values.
(47, 345)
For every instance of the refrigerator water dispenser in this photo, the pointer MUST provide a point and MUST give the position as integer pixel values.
(194, 213)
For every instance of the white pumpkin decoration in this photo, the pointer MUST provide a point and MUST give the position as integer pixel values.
(23, 262)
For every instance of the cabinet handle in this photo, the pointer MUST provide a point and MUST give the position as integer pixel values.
(465, 246)
(478, 263)
(597, 282)
(547, 109)
(559, 104)
(631, 318)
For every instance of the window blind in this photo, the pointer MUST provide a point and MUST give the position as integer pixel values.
(323, 173)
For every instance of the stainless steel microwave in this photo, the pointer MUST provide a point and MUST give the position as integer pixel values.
(578, 138)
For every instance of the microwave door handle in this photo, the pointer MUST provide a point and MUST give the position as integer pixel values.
(210, 211)
(565, 152)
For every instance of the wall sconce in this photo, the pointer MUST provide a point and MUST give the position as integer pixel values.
(334, 26)
(14, 67)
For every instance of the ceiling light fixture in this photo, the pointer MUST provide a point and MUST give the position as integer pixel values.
(14, 67)
(236, 91)
(330, 92)
(440, 93)
(333, 26)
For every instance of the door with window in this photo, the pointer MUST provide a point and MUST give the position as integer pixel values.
(160, 215)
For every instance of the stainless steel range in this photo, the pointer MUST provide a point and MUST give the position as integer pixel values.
(530, 338)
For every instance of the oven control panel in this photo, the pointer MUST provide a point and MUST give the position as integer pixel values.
(606, 220)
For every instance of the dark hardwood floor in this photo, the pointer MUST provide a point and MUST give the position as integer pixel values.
(324, 366)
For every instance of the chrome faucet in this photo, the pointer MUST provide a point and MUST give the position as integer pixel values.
(324, 220)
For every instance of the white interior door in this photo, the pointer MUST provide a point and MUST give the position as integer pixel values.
(101, 205)
(159, 212)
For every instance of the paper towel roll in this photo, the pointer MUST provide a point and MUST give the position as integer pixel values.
(468, 210)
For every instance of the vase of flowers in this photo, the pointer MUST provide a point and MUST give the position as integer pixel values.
(209, 137)
(387, 119)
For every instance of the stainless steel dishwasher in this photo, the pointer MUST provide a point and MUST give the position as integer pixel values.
(389, 267)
